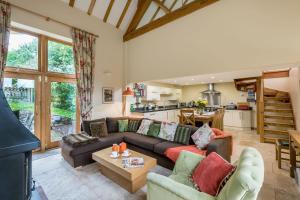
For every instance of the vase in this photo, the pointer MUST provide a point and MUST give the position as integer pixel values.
(200, 111)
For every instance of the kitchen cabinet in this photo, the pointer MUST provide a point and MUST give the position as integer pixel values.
(152, 93)
(238, 118)
(167, 115)
(176, 95)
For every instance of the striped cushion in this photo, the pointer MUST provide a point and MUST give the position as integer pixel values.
(182, 135)
(133, 125)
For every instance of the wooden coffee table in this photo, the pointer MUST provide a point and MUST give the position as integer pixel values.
(131, 179)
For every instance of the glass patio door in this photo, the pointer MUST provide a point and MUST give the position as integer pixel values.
(62, 110)
(21, 93)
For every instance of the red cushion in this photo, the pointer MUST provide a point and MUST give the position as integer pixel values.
(210, 172)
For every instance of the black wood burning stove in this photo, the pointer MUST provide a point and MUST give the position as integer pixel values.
(16, 145)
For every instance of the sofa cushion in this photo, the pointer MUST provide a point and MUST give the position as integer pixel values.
(111, 139)
(133, 125)
(182, 135)
(203, 136)
(144, 127)
(123, 125)
(86, 124)
(98, 129)
(112, 124)
(167, 130)
(143, 141)
(161, 148)
(154, 130)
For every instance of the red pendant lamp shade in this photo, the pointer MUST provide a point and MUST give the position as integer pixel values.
(128, 92)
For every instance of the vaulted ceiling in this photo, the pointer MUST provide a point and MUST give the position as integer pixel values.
(136, 17)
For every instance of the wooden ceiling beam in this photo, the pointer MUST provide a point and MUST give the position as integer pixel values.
(183, 11)
(71, 3)
(111, 3)
(185, 2)
(161, 5)
(143, 5)
(156, 12)
(276, 74)
(91, 7)
(123, 13)
(173, 4)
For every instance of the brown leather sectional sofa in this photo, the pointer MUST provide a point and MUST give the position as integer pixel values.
(151, 146)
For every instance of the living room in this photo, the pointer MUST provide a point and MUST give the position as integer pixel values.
(244, 53)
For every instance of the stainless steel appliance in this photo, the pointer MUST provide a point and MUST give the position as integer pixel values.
(212, 96)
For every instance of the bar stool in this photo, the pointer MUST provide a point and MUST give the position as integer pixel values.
(281, 147)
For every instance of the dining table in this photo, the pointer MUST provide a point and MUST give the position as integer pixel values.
(294, 143)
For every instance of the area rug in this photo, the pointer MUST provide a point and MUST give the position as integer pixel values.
(60, 181)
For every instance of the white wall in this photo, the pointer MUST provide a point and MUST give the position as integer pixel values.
(227, 36)
(294, 91)
(109, 46)
(281, 84)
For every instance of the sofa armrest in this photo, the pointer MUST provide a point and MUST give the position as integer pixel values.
(163, 188)
(222, 146)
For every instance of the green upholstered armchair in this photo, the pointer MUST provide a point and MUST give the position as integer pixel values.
(244, 184)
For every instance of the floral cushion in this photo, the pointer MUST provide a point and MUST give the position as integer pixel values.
(203, 136)
(168, 130)
(144, 127)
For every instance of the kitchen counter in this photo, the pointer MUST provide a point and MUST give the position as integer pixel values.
(156, 110)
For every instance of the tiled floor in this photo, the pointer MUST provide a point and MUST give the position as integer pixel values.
(277, 184)
(60, 181)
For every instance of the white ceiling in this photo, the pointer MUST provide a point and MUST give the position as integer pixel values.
(117, 9)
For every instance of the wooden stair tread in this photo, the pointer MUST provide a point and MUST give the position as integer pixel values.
(278, 103)
(266, 130)
(279, 124)
(274, 137)
(278, 110)
(277, 98)
(283, 117)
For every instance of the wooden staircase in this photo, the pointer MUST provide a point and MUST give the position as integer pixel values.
(278, 115)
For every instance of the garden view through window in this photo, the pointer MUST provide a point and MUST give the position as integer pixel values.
(53, 77)
(60, 58)
(20, 94)
(22, 51)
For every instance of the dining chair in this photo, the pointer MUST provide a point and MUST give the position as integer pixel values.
(187, 117)
(218, 119)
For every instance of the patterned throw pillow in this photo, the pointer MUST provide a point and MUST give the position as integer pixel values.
(167, 130)
(98, 129)
(182, 135)
(154, 130)
(123, 125)
(144, 127)
(133, 125)
(202, 136)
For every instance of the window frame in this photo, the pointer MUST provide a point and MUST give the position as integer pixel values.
(42, 78)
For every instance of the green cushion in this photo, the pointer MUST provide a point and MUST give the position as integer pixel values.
(154, 130)
(133, 125)
(182, 135)
(123, 125)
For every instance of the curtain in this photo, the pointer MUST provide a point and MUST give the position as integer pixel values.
(4, 35)
(84, 57)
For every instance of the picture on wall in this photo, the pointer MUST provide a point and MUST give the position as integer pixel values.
(107, 95)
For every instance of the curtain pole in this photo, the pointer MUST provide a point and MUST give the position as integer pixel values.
(46, 18)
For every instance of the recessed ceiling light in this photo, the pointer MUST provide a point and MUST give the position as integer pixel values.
(212, 77)
(193, 79)
(202, 82)
(220, 80)
(175, 81)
